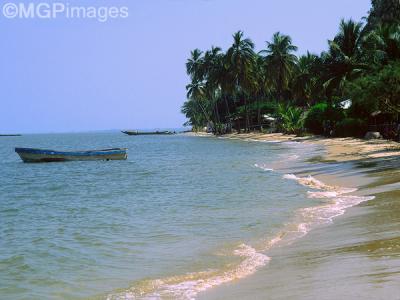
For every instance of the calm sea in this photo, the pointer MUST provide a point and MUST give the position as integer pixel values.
(182, 215)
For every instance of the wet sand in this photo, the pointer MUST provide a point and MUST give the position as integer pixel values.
(355, 257)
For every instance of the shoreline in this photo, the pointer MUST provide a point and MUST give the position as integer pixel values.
(369, 166)
(338, 149)
(333, 197)
(374, 162)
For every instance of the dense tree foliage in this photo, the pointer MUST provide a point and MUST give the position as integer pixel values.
(383, 12)
(378, 91)
(243, 89)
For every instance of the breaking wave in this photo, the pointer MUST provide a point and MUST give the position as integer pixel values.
(263, 167)
(187, 287)
(337, 202)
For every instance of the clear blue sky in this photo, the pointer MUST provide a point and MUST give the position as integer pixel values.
(78, 75)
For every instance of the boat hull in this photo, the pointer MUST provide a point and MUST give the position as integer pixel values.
(128, 132)
(31, 155)
(10, 134)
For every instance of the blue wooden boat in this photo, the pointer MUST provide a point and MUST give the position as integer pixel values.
(10, 134)
(45, 155)
(135, 132)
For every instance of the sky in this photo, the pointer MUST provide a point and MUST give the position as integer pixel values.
(80, 74)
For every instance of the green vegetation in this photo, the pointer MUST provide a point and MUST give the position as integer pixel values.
(241, 89)
(316, 117)
(378, 91)
(291, 119)
(351, 127)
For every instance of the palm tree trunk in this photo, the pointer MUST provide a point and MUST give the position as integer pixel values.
(217, 119)
(226, 105)
(259, 112)
(280, 84)
(227, 116)
(247, 125)
(204, 112)
(237, 119)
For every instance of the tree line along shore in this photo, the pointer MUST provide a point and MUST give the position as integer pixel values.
(351, 88)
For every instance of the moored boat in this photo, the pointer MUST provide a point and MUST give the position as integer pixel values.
(135, 132)
(45, 155)
(10, 134)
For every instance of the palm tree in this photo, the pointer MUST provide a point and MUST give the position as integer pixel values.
(196, 93)
(205, 71)
(240, 63)
(383, 44)
(194, 65)
(213, 62)
(346, 43)
(192, 111)
(383, 12)
(261, 85)
(292, 118)
(280, 62)
(305, 83)
(343, 61)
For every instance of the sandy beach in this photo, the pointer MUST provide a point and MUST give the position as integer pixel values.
(357, 256)
(338, 149)
(373, 163)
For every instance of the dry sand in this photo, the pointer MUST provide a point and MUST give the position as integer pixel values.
(338, 149)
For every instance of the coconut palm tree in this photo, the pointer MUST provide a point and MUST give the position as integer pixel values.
(305, 81)
(343, 60)
(240, 59)
(213, 66)
(291, 118)
(382, 45)
(194, 65)
(196, 92)
(280, 62)
(383, 12)
(194, 114)
(261, 86)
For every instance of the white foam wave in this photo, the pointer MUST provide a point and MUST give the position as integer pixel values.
(270, 141)
(321, 195)
(347, 190)
(275, 241)
(187, 288)
(303, 228)
(308, 181)
(292, 157)
(263, 167)
(311, 217)
(295, 143)
(332, 193)
(328, 190)
(289, 157)
(290, 176)
(337, 205)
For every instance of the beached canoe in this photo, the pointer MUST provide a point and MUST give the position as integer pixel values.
(134, 132)
(44, 155)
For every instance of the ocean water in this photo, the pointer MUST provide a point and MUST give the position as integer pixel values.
(181, 216)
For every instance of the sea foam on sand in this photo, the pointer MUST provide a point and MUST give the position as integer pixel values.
(337, 205)
(187, 287)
